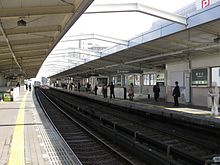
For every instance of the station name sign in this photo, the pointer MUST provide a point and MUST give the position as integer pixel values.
(200, 76)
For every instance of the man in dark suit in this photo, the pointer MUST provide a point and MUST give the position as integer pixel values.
(112, 92)
(156, 90)
(176, 94)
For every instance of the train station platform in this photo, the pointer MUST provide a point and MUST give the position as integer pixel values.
(187, 113)
(27, 136)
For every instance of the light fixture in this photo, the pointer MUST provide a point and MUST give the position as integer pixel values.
(21, 22)
(217, 39)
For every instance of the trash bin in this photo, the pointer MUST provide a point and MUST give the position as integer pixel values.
(7, 96)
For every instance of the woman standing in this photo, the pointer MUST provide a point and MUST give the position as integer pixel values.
(131, 92)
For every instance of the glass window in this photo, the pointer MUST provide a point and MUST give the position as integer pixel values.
(119, 79)
(150, 79)
(146, 79)
(114, 80)
(126, 80)
(216, 75)
(130, 79)
(137, 79)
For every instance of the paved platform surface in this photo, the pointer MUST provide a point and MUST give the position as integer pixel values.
(188, 113)
(27, 137)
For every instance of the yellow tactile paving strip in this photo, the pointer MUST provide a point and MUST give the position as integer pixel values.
(17, 145)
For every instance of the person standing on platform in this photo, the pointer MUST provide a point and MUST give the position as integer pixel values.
(112, 92)
(131, 92)
(29, 87)
(71, 86)
(104, 90)
(87, 86)
(78, 86)
(176, 94)
(18, 84)
(96, 89)
(214, 99)
(156, 90)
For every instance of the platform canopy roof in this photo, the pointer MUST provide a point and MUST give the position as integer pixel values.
(30, 29)
(166, 43)
(117, 19)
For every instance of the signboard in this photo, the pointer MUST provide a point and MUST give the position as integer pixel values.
(160, 77)
(205, 3)
(200, 4)
(200, 76)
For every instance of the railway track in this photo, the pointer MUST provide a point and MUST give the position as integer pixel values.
(166, 145)
(88, 147)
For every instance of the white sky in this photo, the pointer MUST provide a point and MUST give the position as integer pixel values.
(123, 25)
(118, 25)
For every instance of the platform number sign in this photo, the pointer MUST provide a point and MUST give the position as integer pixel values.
(205, 3)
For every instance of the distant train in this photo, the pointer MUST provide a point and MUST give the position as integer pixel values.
(37, 84)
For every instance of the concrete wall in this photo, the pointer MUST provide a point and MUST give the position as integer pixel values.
(180, 69)
(177, 71)
(200, 96)
(209, 60)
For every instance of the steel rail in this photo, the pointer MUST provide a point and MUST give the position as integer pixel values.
(89, 132)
